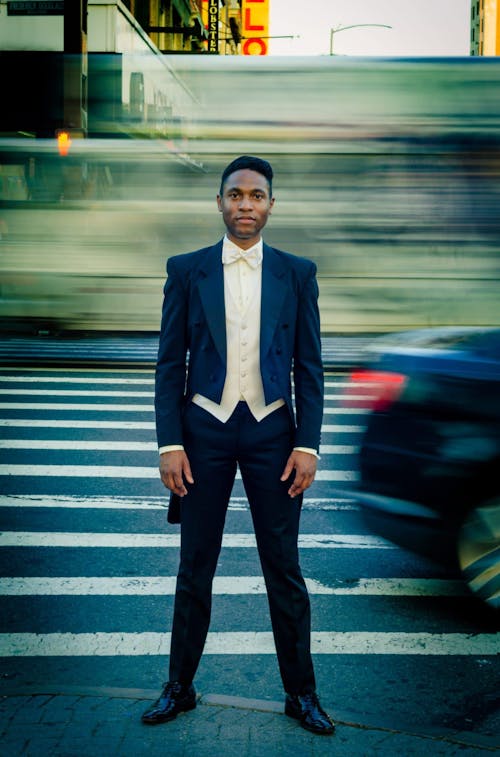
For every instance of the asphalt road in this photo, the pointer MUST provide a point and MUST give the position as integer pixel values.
(88, 562)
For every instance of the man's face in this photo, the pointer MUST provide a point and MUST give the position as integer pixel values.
(245, 206)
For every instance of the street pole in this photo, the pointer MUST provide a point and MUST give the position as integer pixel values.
(75, 66)
(335, 30)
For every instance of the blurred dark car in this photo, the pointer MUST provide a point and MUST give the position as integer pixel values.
(429, 459)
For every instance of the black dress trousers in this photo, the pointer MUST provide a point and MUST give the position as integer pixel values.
(261, 450)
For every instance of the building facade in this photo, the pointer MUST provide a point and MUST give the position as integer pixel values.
(485, 27)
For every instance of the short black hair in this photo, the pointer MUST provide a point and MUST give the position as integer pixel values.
(251, 163)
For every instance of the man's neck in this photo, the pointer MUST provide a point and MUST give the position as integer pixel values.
(244, 244)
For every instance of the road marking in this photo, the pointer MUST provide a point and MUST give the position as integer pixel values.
(111, 446)
(77, 380)
(86, 380)
(349, 384)
(148, 503)
(86, 374)
(338, 449)
(346, 411)
(119, 380)
(131, 407)
(345, 397)
(247, 643)
(71, 444)
(165, 585)
(87, 407)
(340, 429)
(50, 423)
(152, 541)
(114, 393)
(72, 393)
(141, 425)
(129, 471)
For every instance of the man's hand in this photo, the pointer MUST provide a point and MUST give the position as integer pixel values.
(174, 468)
(304, 464)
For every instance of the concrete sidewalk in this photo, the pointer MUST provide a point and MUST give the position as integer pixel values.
(92, 722)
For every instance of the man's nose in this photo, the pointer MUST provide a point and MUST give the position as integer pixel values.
(246, 202)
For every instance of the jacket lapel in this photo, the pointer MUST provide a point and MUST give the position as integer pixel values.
(211, 289)
(273, 294)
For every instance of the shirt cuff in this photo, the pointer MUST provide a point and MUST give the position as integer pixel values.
(173, 447)
(310, 450)
(170, 448)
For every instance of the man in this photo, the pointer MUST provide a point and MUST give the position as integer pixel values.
(248, 315)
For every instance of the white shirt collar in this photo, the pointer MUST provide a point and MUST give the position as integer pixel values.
(227, 244)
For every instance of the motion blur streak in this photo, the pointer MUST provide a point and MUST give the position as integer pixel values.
(387, 175)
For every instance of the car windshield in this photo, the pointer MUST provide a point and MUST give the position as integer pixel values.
(479, 343)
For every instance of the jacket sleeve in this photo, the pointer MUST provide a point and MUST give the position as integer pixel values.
(308, 366)
(170, 377)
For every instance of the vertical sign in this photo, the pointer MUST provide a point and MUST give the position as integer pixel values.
(213, 26)
(255, 27)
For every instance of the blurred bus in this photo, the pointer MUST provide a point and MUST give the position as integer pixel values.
(387, 176)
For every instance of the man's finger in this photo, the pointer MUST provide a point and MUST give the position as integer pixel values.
(300, 484)
(288, 470)
(186, 469)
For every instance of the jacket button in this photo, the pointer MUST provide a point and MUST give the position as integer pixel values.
(278, 350)
(273, 378)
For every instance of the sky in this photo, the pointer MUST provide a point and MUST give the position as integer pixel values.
(419, 27)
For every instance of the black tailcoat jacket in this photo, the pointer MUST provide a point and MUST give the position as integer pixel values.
(192, 347)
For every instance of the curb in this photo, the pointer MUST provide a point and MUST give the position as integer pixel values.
(222, 701)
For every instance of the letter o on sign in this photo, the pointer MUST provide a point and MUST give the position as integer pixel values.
(255, 41)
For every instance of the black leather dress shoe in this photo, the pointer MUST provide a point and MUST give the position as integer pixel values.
(308, 711)
(173, 699)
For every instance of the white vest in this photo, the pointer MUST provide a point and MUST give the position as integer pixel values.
(243, 376)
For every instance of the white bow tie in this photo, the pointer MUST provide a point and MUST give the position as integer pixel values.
(253, 256)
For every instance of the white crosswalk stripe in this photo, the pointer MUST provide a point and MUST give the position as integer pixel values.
(77, 424)
(105, 502)
(135, 541)
(68, 379)
(124, 425)
(246, 643)
(165, 585)
(112, 446)
(32, 466)
(132, 471)
(73, 393)
(130, 408)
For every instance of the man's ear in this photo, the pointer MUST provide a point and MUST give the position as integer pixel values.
(219, 203)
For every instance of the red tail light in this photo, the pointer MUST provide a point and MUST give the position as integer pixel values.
(374, 390)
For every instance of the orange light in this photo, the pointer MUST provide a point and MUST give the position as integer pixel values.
(63, 142)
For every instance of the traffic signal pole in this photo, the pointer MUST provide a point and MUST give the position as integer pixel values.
(75, 67)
